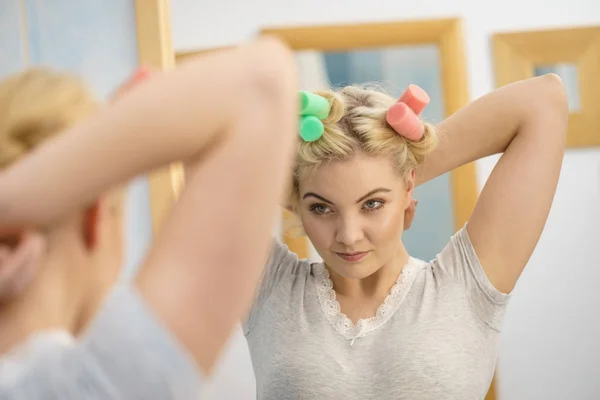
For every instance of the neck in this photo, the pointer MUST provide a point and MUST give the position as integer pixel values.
(377, 285)
(64, 296)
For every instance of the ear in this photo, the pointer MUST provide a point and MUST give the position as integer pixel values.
(410, 182)
(409, 214)
(91, 225)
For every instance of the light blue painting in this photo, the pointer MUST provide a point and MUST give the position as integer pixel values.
(394, 68)
(93, 38)
(12, 46)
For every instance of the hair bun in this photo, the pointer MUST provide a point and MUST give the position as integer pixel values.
(37, 104)
(421, 148)
(338, 106)
(10, 150)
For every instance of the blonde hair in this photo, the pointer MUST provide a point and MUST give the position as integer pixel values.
(36, 105)
(357, 124)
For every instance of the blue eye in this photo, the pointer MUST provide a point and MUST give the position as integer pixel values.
(320, 209)
(372, 205)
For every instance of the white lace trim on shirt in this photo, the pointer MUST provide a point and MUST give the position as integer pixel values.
(340, 321)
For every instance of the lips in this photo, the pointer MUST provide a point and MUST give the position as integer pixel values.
(352, 257)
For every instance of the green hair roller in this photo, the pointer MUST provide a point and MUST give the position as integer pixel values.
(313, 109)
(313, 104)
(311, 128)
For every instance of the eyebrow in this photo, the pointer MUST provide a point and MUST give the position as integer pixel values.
(311, 194)
(323, 199)
(372, 192)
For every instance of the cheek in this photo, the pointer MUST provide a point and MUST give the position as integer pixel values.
(319, 230)
(386, 227)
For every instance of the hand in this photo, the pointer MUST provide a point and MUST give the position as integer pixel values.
(409, 214)
(19, 259)
(140, 75)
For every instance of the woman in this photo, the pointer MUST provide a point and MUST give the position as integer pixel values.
(371, 322)
(231, 117)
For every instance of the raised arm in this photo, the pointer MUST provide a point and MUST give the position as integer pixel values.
(527, 122)
(233, 115)
(177, 115)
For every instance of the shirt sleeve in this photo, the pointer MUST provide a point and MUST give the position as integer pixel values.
(459, 261)
(281, 267)
(125, 354)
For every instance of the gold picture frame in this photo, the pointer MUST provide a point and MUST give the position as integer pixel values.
(516, 55)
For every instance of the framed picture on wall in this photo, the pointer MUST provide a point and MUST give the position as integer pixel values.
(571, 53)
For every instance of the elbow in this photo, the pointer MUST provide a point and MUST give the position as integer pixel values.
(554, 95)
(271, 91)
(273, 72)
(548, 109)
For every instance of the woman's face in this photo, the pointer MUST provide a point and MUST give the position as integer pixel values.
(353, 213)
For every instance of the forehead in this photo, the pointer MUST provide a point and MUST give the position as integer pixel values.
(353, 178)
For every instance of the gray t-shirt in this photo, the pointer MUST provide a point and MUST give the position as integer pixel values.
(125, 355)
(435, 337)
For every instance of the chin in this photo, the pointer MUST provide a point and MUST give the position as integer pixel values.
(353, 270)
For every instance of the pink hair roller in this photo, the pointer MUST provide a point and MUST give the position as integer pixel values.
(403, 116)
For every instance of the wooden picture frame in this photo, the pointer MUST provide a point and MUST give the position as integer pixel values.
(516, 55)
(155, 50)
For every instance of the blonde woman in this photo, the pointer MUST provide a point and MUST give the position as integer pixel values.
(370, 321)
(66, 329)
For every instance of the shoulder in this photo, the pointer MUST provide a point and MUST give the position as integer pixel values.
(100, 363)
(33, 351)
(284, 263)
(458, 264)
(283, 271)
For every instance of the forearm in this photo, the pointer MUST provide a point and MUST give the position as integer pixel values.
(210, 253)
(489, 124)
(171, 117)
(514, 203)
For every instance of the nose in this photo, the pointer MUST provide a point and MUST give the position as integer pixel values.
(349, 231)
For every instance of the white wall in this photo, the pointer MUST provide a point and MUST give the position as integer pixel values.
(549, 348)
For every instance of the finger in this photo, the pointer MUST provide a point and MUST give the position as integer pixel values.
(18, 266)
(140, 75)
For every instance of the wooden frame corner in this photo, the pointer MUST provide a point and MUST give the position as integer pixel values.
(517, 54)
